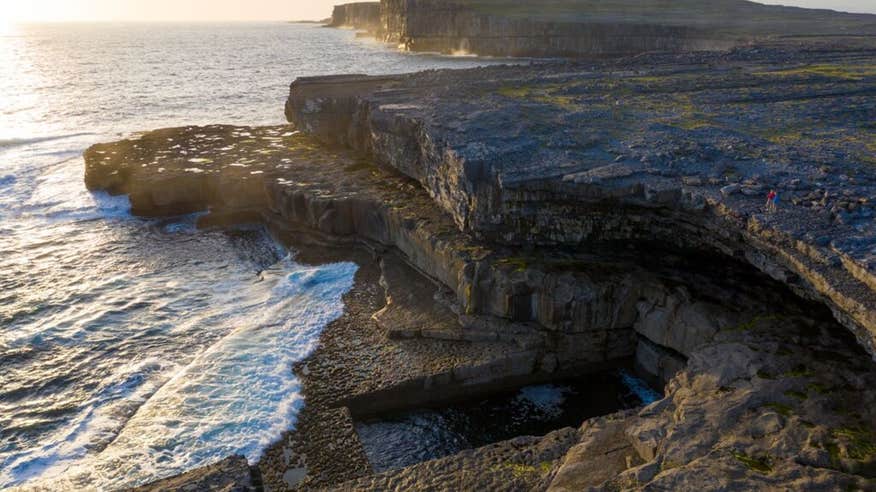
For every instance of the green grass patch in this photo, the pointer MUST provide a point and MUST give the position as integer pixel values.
(845, 72)
(780, 408)
(859, 442)
(518, 263)
(819, 388)
(799, 371)
(545, 94)
(764, 375)
(760, 464)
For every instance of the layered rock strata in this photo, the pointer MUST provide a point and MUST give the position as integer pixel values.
(359, 15)
(745, 336)
(660, 149)
(591, 28)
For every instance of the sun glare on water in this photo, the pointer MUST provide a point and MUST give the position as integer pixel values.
(6, 27)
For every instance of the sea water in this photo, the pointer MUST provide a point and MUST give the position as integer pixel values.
(408, 437)
(135, 349)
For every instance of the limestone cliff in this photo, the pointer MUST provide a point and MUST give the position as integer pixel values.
(359, 15)
(638, 153)
(764, 387)
(597, 28)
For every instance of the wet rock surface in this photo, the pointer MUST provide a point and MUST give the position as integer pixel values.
(229, 475)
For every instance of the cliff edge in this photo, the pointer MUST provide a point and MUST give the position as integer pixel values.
(592, 28)
(663, 149)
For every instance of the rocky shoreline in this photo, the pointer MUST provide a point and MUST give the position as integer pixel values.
(520, 224)
(751, 394)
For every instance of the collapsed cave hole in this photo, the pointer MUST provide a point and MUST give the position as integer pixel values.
(411, 425)
(402, 438)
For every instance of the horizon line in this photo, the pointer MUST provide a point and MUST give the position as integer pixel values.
(161, 21)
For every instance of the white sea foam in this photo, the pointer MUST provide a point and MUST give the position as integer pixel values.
(20, 141)
(51, 197)
(96, 424)
(91, 295)
(236, 397)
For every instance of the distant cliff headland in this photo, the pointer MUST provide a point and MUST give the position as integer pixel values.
(587, 28)
(360, 15)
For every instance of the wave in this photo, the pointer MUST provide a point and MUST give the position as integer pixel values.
(95, 426)
(102, 206)
(16, 142)
(236, 397)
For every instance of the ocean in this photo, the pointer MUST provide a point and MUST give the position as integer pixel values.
(135, 349)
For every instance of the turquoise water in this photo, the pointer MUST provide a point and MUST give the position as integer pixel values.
(136, 349)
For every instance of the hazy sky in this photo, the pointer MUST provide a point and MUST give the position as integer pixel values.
(166, 10)
(243, 10)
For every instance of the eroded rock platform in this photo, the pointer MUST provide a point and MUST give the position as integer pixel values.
(765, 388)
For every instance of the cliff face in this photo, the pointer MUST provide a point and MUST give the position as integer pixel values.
(589, 28)
(447, 27)
(359, 15)
(594, 156)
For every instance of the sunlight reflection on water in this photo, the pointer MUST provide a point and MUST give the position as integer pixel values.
(134, 349)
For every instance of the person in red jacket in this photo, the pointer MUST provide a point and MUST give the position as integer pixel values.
(772, 199)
